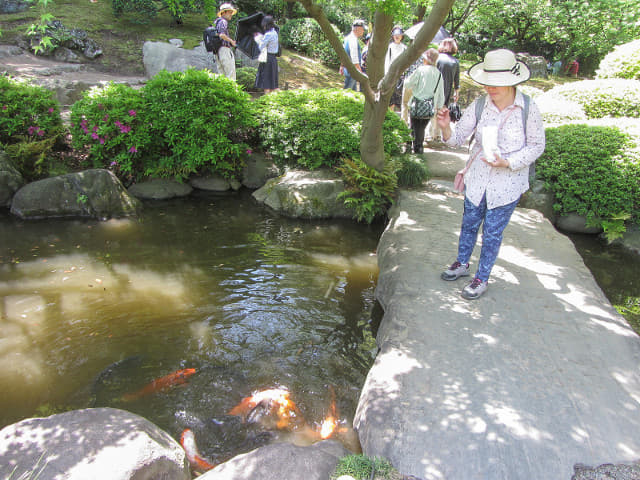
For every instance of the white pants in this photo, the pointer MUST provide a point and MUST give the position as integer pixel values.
(226, 63)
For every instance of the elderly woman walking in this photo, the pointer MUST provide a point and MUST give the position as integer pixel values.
(506, 143)
(423, 85)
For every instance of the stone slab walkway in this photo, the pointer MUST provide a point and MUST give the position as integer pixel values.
(538, 375)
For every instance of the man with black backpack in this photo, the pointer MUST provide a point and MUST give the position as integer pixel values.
(224, 56)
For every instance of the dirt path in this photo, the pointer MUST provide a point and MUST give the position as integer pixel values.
(21, 64)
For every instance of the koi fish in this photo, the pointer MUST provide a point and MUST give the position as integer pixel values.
(198, 462)
(273, 402)
(161, 384)
(330, 423)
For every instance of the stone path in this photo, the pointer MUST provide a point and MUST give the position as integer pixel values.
(538, 375)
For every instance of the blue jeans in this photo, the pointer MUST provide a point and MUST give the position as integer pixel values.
(350, 82)
(495, 221)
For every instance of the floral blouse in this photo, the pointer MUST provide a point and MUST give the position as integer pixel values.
(501, 185)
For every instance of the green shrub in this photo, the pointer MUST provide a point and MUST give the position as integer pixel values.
(304, 35)
(411, 171)
(591, 173)
(136, 11)
(622, 62)
(314, 128)
(556, 109)
(369, 192)
(601, 98)
(111, 122)
(179, 123)
(27, 112)
(246, 78)
(201, 118)
(363, 467)
(30, 126)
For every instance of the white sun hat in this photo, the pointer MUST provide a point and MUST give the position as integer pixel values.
(500, 69)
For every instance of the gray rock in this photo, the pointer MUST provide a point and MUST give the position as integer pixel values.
(97, 444)
(64, 54)
(158, 56)
(537, 65)
(258, 170)
(302, 194)
(607, 472)
(160, 189)
(14, 6)
(537, 375)
(575, 223)
(282, 461)
(214, 183)
(10, 180)
(92, 193)
(540, 201)
(630, 239)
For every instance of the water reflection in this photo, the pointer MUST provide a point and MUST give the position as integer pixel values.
(93, 311)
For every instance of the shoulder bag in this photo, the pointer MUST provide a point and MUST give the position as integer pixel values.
(425, 108)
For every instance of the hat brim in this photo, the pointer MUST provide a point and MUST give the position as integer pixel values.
(500, 79)
(227, 10)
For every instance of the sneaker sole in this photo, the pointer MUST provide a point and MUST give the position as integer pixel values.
(468, 296)
(451, 278)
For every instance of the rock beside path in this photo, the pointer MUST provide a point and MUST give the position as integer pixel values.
(93, 193)
(96, 444)
(536, 376)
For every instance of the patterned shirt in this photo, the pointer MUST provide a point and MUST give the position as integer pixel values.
(222, 26)
(501, 185)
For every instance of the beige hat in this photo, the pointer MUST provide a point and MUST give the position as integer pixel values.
(500, 69)
(226, 7)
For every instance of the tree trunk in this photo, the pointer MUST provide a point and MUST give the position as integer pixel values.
(371, 142)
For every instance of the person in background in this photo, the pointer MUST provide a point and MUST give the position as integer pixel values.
(365, 52)
(267, 76)
(352, 47)
(425, 82)
(396, 47)
(450, 69)
(493, 183)
(225, 58)
(572, 69)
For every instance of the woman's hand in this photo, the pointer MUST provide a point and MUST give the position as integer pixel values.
(444, 122)
(498, 162)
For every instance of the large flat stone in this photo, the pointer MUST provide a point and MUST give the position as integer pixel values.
(538, 375)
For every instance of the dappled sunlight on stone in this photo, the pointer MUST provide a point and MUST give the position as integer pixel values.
(512, 420)
(526, 260)
(505, 275)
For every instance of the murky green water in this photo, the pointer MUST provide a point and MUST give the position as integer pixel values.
(91, 311)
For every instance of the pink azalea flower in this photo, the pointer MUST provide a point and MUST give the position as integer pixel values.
(40, 133)
(133, 150)
(101, 141)
(95, 136)
(125, 129)
(105, 118)
(51, 110)
(132, 113)
(4, 107)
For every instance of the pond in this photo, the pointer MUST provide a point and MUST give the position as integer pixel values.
(91, 312)
(616, 271)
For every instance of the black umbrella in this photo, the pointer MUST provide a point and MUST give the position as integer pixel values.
(442, 33)
(247, 27)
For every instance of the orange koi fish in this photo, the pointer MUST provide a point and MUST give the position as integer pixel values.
(198, 462)
(330, 423)
(161, 384)
(273, 402)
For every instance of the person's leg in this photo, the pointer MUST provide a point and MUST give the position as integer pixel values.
(350, 83)
(496, 220)
(419, 125)
(227, 63)
(472, 218)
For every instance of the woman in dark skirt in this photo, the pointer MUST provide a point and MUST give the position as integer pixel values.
(267, 76)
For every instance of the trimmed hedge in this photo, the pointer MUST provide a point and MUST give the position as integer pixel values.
(622, 62)
(593, 171)
(602, 98)
(314, 128)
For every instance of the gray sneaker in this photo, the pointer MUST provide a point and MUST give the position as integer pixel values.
(475, 289)
(455, 271)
